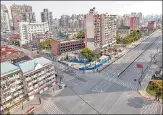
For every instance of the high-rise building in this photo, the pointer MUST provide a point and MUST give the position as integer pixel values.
(47, 16)
(140, 15)
(20, 14)
(100, 30)
(29, 17)
(5, 21)
(134, 22)
(64, 21)
(28, 29)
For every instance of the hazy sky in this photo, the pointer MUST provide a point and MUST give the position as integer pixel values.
(82, 7)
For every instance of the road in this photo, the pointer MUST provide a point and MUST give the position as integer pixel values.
(113, 91)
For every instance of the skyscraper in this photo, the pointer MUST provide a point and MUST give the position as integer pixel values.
(47, 16)
(5, 21)
(20, 14)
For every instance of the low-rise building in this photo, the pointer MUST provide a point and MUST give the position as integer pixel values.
(123, 32)
(11, 55)
(151, 25)
(12, 91)
(60, 47)
(38, 75)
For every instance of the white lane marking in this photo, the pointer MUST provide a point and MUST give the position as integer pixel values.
(83, 107)
(51, 108)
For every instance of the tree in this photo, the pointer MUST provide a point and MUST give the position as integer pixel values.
(88, 54)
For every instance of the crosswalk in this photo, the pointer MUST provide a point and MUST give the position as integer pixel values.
(51, 108)
(149, 109)
(124, 83)
(104, 85)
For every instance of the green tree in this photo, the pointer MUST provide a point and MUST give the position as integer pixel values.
(89, 54)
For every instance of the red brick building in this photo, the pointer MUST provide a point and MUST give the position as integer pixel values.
(66, 46)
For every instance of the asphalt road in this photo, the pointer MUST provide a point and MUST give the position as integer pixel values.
(111, 91)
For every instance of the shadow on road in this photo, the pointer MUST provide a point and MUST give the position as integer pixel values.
(138, 102)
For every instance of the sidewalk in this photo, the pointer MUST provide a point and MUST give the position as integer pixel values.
(34, 102)
(144, 84)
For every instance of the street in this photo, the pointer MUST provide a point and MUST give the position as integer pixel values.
(113, 91)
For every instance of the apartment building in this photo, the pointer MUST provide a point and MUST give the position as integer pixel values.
(100, 30)
(38, 75)
(47, 16)
(60, 47)
(28, 29)
(29, 17)
(20, 13)
(132, 20)
(12, 91)
(5, 21)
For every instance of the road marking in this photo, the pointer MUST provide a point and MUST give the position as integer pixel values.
(149, 109)
(51, 108)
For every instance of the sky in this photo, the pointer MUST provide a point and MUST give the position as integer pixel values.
(59, 8)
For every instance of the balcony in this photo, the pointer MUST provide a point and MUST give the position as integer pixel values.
(36, 86)
(30, 88)
(20, 86)
(8, 98)
(13, 89)
(29, 84)
(28, 79)
(34, 81)
(16, 93)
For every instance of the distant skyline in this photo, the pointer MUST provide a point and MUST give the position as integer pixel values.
(59, 8)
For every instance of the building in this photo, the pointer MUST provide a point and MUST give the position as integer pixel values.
(11, 55)
(100, 30)
(134, 22)
(47, 16)
(151, 25)
(64, 21)
(38, 75)
(12, 91)
(21, 13)
(60, 47)
(25, 79)
(5, 21)
(123, 32)
(29, 17)
(28, 29)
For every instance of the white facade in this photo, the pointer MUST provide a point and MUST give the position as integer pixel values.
(27, 29)
(5, 21)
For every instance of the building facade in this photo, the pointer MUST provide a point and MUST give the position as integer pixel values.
(47, 16)
(151, 25)
(28, 29)
(38, 75)
(5, 21)
(20, 13)
(60, 47)
(12, 91)
(100, 30)
(24, 80)
(29, 17)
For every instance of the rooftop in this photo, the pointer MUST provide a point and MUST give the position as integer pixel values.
(7, 67)
(31, 64)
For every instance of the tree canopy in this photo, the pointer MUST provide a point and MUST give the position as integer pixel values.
(47, 43)
(133, 36)
(89, 54)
